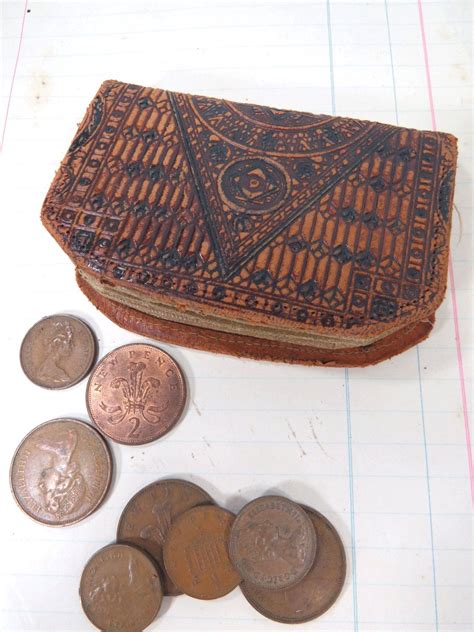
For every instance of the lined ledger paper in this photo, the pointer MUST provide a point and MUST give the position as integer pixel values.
(385, 452)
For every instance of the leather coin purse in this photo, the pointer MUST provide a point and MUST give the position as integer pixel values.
(255, 231)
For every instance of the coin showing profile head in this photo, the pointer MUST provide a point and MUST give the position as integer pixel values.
(148, 516)
(272, 543)
(136, 394)
(317, 591)
(120, 589)
(58, 351)
(61, 472)
(196, 553)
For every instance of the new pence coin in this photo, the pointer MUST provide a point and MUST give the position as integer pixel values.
(120, 589)
(58, 351)
(195, 553)
(61, 472)
(136, 394)
(272, 543)
(316, 592)
(148, 515)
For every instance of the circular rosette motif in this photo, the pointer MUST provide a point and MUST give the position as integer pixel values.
(254, 185)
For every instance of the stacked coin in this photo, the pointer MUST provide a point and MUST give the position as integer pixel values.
(319, 587)
(288, 559)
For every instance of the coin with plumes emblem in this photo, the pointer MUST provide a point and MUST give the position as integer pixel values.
(136, 394)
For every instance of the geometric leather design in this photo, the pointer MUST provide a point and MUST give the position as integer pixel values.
(325, 222)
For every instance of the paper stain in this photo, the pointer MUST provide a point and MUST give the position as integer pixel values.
(210, 459)
(461, 72)
(303, 453)
(446, 32)
(39, 89)
(206, 441)
(315, 437)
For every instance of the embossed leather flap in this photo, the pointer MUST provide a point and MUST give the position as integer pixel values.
(314, 226)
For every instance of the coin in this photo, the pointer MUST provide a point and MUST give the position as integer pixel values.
(316, 592)
(120, 589)
(58, 351)
(61, 472)
(148, 515)
(195, 553)
(136, 394)
(272, 543)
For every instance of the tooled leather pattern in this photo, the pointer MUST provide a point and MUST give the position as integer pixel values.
(326, 221)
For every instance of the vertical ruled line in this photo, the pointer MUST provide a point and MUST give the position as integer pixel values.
(355, 606)
(394, 86)
(420, 385)
(25, 9)
(428, 489)
(331, 57)
(462, 380)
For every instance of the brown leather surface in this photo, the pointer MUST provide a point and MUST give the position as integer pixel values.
(296, 222)
(255, 348)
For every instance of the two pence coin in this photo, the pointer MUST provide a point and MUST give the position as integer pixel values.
(136, 394)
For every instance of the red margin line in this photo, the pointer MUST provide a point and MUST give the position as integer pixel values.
(451, 274)
(14, 74)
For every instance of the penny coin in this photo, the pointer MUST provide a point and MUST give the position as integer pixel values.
(120, 589)
(136, 394)
(58, 351)
(61, 472)
(195, 553)
(147, 517)
(272, 543)
(316, 592)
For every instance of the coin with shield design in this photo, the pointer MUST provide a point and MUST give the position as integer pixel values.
(272, 543)
(317, 591)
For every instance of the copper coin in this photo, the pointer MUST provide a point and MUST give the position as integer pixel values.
(195, 553)
(61, 472)
(316, 592)
(136, 394)
(272, 543)
(58, 351)
(120, 589)
(147, 517)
